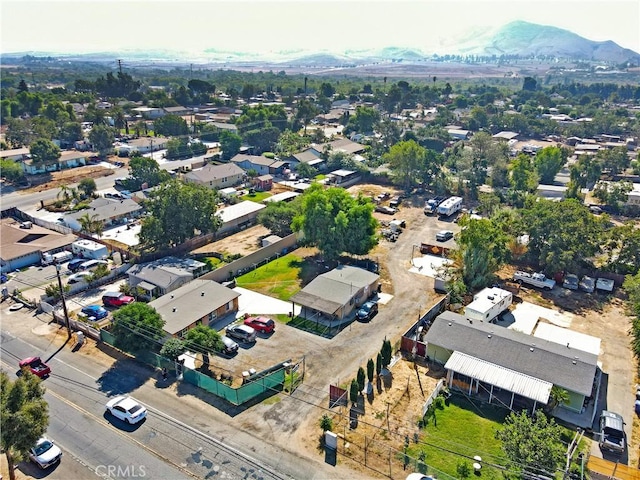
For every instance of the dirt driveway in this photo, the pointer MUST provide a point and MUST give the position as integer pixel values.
(293, 420)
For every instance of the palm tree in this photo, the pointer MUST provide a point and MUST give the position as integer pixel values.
(558, 396)
(65, 193)
(120, 120)
(91, 224)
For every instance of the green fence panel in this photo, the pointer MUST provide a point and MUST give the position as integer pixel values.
(107, 337)
(269, 383)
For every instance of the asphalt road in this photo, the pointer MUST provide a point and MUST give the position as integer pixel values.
(159, 447)
(10, 197)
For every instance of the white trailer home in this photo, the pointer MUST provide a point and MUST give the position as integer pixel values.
(89, 250)
(450, 206)
(488, 304)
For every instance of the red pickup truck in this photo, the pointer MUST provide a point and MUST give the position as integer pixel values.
(36, 366)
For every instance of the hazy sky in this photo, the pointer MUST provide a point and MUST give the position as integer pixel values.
(265, 25)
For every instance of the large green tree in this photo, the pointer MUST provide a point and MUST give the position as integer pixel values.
(561, 234)
(532, 444)
(230, 144)
(102, 137)
(170, 126)
(483, 250)
(336, 222)
(44, 153)
(145, 170)
(178, 211)
(24, 415)
(204, 340)
(137, 327)
(622, 248)
(11, 171)
(407, 162)
(278, 216)
(549, 162)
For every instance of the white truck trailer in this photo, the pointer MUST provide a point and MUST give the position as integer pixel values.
(488, 304)
(89, 250)
(450, 206)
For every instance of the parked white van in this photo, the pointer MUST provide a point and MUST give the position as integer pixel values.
(91, 265)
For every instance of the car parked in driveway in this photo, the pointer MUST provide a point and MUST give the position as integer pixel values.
(45, 453)
(116, 299)
(570, 281)
(612, 435)
(126, 409)
(367, 311)
(80, 277)
(243, 333)
(587, 284)
(95, 312)
(261, 324)
(229, 347)
(444, 235)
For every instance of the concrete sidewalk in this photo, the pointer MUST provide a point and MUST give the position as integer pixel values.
(257, 303)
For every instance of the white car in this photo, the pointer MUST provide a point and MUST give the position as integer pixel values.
(126, 409)
(79, 277)
(45, 453)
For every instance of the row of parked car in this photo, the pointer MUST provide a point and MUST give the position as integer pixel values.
(586, 283)
(246, 332)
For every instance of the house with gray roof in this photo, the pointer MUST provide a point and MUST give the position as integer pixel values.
(238, 216)
(107, 210)
(337, 294)
(164, 275)
(261, 164)
(200, 302)
(216, 176)
(509, 367)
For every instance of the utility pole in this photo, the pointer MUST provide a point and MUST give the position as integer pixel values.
(120, 66)
(64, 303)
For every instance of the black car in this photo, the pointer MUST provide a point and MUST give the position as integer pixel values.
(367, 311)
(74, 264)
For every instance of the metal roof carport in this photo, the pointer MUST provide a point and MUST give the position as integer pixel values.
(498, 376)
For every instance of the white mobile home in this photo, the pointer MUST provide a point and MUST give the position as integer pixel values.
(89, 250)
(488, 304)
(450, 206)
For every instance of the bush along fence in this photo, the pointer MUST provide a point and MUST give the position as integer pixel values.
(282, 376)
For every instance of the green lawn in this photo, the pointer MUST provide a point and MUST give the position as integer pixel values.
(256, 197)
(465, 429)
(281, 278)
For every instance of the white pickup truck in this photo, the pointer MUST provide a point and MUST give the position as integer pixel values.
(535, 279)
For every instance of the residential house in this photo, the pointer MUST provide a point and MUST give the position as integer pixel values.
(143, 145)
(179, 111)
(199, 302)
(107, 210)
(216, 176)
(23, 243)
(341, 145)
(509, 367)
(263, 182)
(149, 113)
(68, 159)
(504, 135)
(552, 192)
(164, 275)
(15, 154)
(310, 156)
(459, 134)
(336, 294)
(239, 216)
(344, 178)
(260, 164)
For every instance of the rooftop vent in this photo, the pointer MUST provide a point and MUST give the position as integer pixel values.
(202, 294)
(174, 309)
(531, 349)
(449, 323)
(489, 336)
(574, 362)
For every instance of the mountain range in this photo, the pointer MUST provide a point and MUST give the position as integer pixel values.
(517, 38)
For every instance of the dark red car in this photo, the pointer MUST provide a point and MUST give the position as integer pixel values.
(35, 366)
(116, 299)
(261, 324)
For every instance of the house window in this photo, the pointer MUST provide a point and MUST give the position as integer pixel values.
(229, 306)
(183, 332)
(212, 316)
(224, 179)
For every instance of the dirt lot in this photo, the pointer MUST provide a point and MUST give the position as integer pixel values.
(242, 243)
(66, 177)
(336, 361)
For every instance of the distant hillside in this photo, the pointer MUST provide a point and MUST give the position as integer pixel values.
(525, 39)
